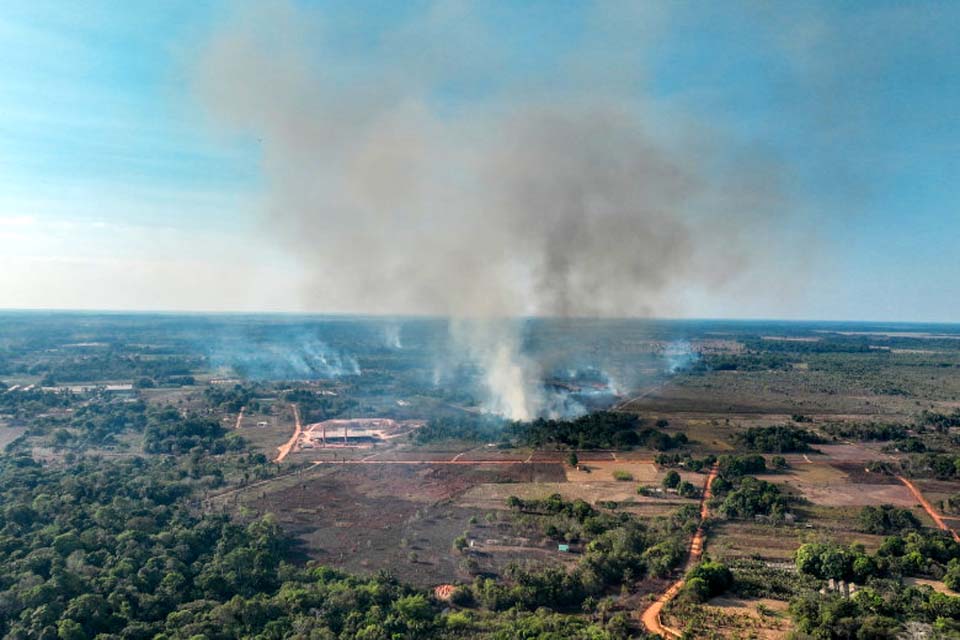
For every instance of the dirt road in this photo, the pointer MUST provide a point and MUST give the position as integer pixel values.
(651, 616)
(456, 460)
(239, 418)
(287, 447)
(928, 507)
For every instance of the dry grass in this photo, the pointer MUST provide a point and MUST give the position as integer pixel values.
(825, 485)
(602, 471)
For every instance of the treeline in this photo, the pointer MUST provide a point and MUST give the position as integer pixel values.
(942, 422)
(743, 362)
(316, 407)
(684, 460)
(886, 519)
(777, 439)
(942, 466)
(114, 365)
(472, 428)
(870, 431)
(856, 344)
(599, 430)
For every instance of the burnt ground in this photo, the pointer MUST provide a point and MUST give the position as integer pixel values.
(858, 474)
(363, 518)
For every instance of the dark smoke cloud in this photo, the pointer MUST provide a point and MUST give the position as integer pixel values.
(574, 202)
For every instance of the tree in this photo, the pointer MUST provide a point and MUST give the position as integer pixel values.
(952, 577)
(671, 480)
(708, 579)
(70, 630)
(572, 459)
(826, 560)
(887, 519)
(687, 490)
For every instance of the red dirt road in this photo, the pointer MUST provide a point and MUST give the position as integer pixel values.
(928, 507)
(651, 616)
(455, 460)
(287, 447)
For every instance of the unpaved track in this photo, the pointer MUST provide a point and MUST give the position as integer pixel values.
(936, 517)
(651, 616)
(287, 447)
(431, 462)
(239, 418)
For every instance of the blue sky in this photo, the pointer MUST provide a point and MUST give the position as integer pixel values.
(119, 190)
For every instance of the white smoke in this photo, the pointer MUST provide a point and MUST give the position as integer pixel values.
(391, 336)
(510, 378)
(678, 355)
(299, 356)
(515, 205)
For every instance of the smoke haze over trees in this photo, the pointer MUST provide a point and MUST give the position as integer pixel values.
(564, 197)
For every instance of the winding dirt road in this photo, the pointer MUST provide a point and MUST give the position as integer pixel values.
(936, 517)
(288, 446)
(651, 616)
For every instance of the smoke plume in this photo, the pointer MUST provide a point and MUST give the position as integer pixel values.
(402, 198)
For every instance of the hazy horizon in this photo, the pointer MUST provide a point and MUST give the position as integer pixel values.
(346, 315)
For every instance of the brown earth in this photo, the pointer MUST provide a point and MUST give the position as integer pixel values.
(398, 517)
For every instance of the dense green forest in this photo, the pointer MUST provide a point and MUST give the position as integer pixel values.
(109, 549)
